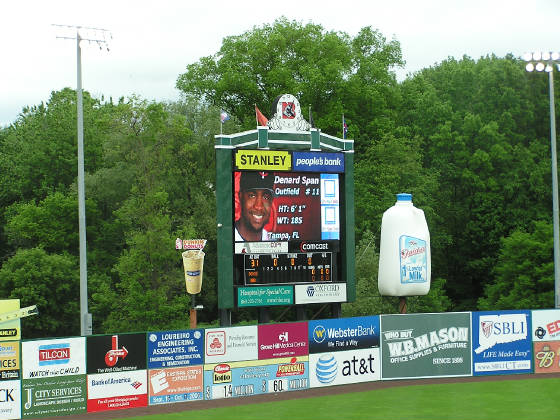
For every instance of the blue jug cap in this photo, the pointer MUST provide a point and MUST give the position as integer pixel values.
(404, 197)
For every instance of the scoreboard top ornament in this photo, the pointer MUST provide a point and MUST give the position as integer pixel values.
(288, 115)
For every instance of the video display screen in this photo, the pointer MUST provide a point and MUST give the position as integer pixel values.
(287, 216)
(286, 206)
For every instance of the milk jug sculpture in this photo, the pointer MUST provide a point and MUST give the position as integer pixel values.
(404, 256)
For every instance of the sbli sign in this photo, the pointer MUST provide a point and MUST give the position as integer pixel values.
(502, 342)
(426, 345)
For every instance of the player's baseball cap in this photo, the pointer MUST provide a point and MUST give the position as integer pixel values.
(257, 181)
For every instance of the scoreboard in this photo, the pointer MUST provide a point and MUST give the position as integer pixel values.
(287, 226)
(291, 267)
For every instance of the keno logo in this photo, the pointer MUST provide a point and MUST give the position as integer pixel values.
(326, 369)
(319, 334)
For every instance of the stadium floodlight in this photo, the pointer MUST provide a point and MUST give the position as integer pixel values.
(546, 61)
(98, 36)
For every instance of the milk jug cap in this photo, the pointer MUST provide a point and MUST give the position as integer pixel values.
(404, 197)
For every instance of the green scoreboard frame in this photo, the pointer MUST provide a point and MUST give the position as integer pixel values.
(263, 138)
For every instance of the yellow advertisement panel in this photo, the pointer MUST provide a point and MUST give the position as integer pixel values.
(9, 360)
(10, 329)
(268, 160)
(264, 362)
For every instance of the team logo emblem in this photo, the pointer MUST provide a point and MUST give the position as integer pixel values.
(486, 327)
(288, 110)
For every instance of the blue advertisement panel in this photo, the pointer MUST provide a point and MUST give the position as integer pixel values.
(318, 162)
(341, 334)
(175, 348)
(502, 342)
(240, 379)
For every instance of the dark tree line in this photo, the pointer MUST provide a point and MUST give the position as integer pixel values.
(468, 138)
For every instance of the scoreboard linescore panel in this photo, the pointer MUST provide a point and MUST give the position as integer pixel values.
(301, 243)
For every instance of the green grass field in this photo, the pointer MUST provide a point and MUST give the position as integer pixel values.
(494, 400)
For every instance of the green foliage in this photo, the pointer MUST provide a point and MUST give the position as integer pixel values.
(468, 138)
(50, 281)
(329, 71)
(477, 124)
(50, 225)
(524, 272)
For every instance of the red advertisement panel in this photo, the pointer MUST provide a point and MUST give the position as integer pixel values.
(116, 403)
(283, 340)
(547, 356)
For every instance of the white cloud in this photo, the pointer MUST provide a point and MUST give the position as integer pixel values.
(154, 41)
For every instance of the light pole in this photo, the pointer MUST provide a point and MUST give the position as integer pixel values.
(100, 38)
(545, 62)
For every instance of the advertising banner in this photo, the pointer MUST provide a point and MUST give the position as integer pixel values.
(239, 379)
(53, 358)
(117, 390)
(547, 356)
(318, 162)
(426, 345)
(116, 353)
(320, 293)
(175, 384)
(230, 344)
(502, 342)
(546, 325)
(175, 348)
(10, 399)
(546, 340)
(9, 329)
(283, 340)
(265, 296)
(9, 360)
(53, 396)
(344, 367)
(342, 334)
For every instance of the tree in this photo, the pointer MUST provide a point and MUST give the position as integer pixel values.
(50, 281)
(40, 148)
(170, 196)
(477, 124)
(524, 272)
(330, 71)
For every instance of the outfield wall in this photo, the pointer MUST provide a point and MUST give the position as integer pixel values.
(64, 376)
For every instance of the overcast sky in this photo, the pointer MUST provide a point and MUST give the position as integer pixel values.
(153, 41)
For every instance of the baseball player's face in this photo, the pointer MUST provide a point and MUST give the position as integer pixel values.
(255, 208)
